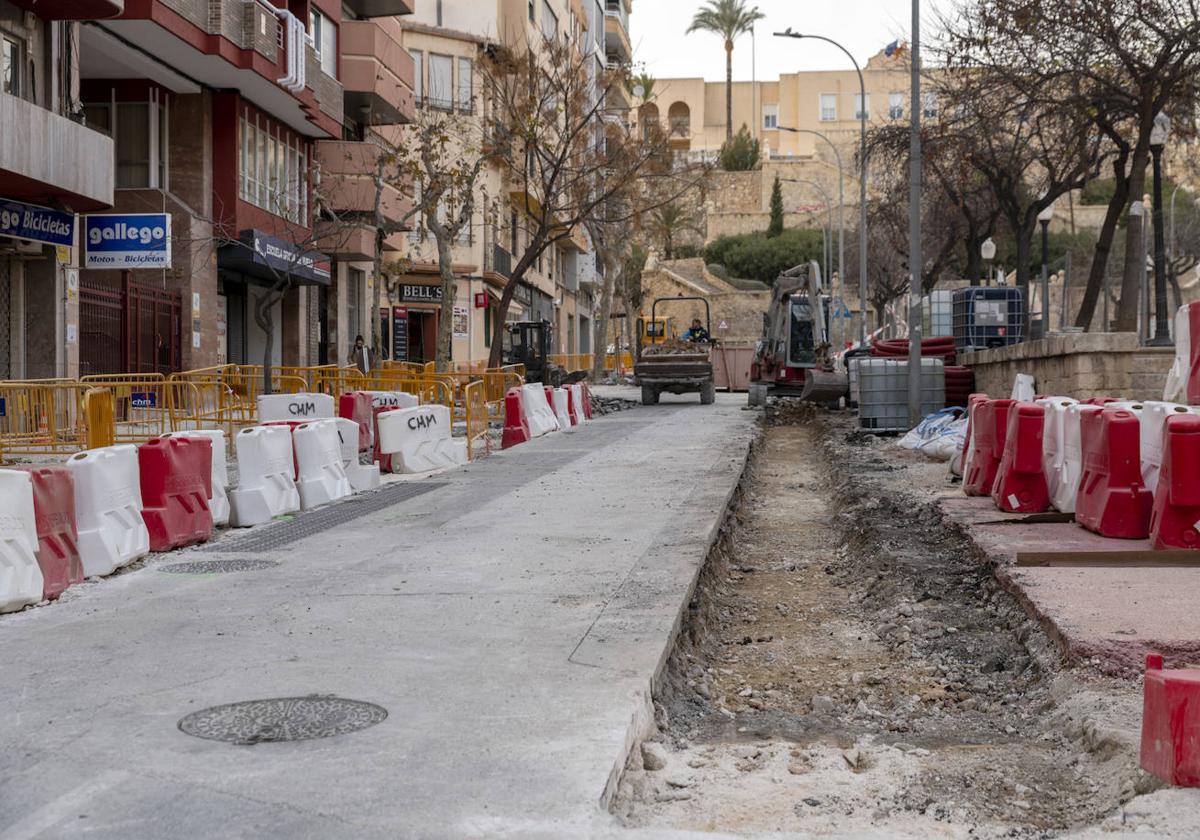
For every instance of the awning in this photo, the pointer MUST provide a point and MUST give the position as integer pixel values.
(267, 258)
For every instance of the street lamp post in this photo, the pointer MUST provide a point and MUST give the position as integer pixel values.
(841, 195)
(862, 174)
(828, 232)
(1044, 218)
(1158, 139)
(915, 261)
(988, 251)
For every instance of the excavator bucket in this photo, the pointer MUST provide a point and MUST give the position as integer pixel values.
(822, 386)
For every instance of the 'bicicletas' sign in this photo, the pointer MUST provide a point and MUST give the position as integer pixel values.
(140, 240)
(39, 224)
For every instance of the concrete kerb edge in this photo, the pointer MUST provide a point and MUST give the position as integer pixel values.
(642, 722)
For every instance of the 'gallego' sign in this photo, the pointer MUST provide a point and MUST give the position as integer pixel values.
(137, 240)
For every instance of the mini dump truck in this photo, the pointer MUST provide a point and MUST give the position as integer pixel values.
(675, 366)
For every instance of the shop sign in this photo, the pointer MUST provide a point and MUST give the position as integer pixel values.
(482, 299)
(144, 399)
(39, 224)
(414, 293)
(400, 333)
(284, 256)
(139, 240)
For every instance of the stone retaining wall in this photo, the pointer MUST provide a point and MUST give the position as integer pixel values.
(1081, 366)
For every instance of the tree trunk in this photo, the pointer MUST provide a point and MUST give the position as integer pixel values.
(1024, 254)
(1108, 233)
(445, 338)
(600, 331)
(1131, 275)
(376, 335)
(265, 318)
(728, 91)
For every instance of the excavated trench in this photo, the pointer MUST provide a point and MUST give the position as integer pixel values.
(848, 666)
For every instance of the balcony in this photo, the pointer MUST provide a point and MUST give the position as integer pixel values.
(380, 8)
(52, 158)
(346, 186)
(377, 73)
(73, 9)
(616, 29)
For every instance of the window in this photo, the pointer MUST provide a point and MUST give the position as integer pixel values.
(418, 76)
(417, 232)
(770, 116)
(133, 145)
(439, 12)
(11, 56)
(896, 106)
(862, 107)
(274, 169)
(549, 21)
(355, 292)
(324, 37)
(465, 85)
(828, 107)
(512, 233)
(441, 85)
(929, 108)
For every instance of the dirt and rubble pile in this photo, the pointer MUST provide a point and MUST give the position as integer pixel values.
(611, 405)
(848, 665)
(674, 347)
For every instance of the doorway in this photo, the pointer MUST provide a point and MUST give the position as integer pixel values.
(422, 335)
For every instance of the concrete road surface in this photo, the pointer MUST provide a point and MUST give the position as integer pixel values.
(510, 621)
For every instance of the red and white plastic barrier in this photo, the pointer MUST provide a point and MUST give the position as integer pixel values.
(321, 478)
(356, 406)
(1154, 418)
(176, 481)
(557, 398)
(989, 429)
(294, 407)
(266, 484)
(1054, 441)
(57, 534)
(362, 476)
(538, 413)
(1183, 380)
(516, 426)
(1175, 517)
(583, 404)
(218, 499)
(1112, 500)
(20, 575)
(1170, 746)
(419, 439)
(108, 508)
(1020, 485)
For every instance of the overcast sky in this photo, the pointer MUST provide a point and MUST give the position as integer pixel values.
(864, 26)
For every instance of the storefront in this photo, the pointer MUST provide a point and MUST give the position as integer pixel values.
(248, 269)
(410, 325)
(38, 291)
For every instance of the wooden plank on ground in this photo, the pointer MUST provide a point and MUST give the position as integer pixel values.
(1110, 559)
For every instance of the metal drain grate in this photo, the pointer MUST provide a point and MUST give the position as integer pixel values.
(282, 719)
(281, 534)
(216, 567)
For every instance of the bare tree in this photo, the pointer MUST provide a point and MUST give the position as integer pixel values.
(1116, 63)
(561, 161)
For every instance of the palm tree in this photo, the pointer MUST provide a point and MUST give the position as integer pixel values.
(670, 221)
(729, 19)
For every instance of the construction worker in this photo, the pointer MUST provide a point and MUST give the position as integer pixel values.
(697, 334)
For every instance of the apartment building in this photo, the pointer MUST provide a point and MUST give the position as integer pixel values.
(243, 129)
(52, 167)
(448, 40)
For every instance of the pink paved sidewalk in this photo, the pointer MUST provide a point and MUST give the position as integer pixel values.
(1112, 615)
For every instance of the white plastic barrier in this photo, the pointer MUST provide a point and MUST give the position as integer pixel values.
(418, 439)
(541, 417)
(273, 408)
(1177, 377)
(1023, 388)
(266, 487)
(319, 464)
(362, 476)
(108, 508)
(1067, 481)
(1154, 419)
(1053, 439)
(218, 502)
(561, 411)
(578, 397)
(20, 575)
(393, 399)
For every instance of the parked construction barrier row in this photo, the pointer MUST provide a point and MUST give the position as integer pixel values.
(418, 439)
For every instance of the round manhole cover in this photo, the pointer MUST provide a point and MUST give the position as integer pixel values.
(216, 567)
(282, 719)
